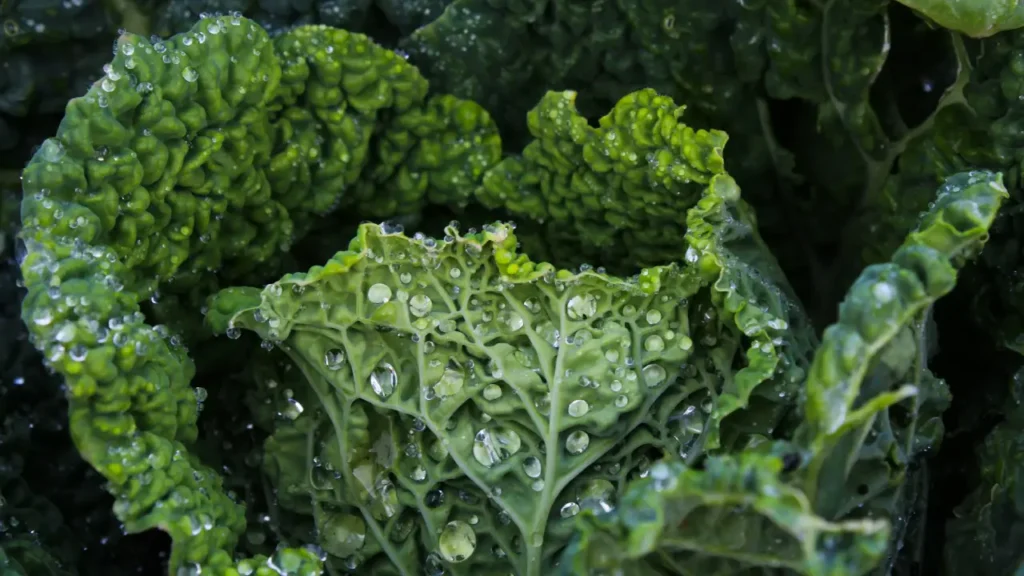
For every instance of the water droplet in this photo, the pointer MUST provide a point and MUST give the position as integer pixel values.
(451, 381)
(292, 410)
(654, 343)
(569, 510)
(457, 541)
(883, 292)
(578, 408)
(419, 473)
(492, 392)
(621, 401)
(51, 150)
(653, 317)
(537, 485)
(455, 273)
(379, 293)
(383, 380)
(42, 316)
(654, 375)
(690, 423)
(514, 321)
(342, 534)
(492, 446)
(420, 305)
(597, 495)
(334, 358)
(531, 465)
(189, 74)
(577, 442)
(581, 306)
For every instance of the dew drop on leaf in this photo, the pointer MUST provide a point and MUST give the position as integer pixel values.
(578, 408)
(654, 343)
(577, 442)
(419, 473)
(581, 306)
(653, 375)
(434, 499)
(292, 410)
(457, 541)
(451, 381)
(492, 392)
(420, 305)
(494, 445)
(383, 380)
(621, 401)
(597, 495)
(334, 358)
(514, 321)
(531, 465)
(342, 534)
(379, 293)
(883, 292)
(653, 317)
(569, 510)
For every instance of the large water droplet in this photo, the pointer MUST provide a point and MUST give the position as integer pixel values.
(51, 150)
(883, 292)
(292, 409)
(690, 420)
(189, 74)
(491, 446)
(531, 465)
(379, 293)
(334, 358)
(654, 375)
(342, 534)
(514, 321)
(492, 392)
(653, 317)
(577, 442)
(451, 381)
(569, 510)
(383, 379)
(578, 408)
(654, 343)
(457, 540)
(420, 305)
(597, 495)
(581, 306)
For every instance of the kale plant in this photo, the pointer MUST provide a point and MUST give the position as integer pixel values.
(547, 287)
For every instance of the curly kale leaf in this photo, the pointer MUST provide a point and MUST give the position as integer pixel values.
(452, 373)
(193, 161)
(621, 189)
(836, 500)
(453, 404)
(873, 409)
(978, 18)
(736, 513)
